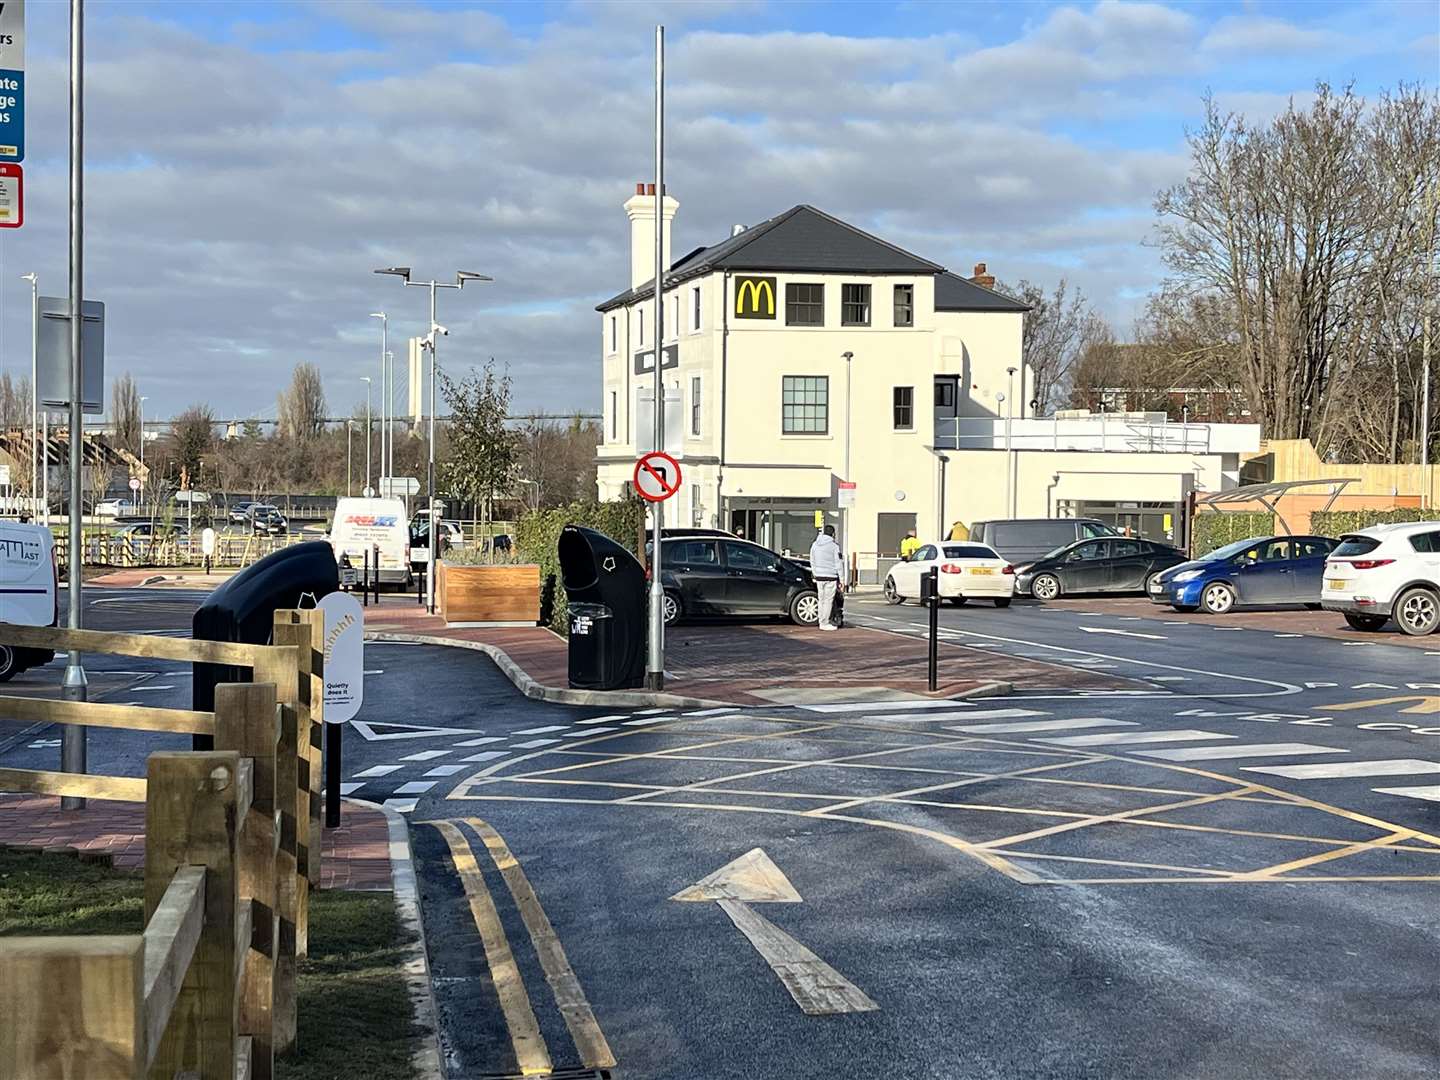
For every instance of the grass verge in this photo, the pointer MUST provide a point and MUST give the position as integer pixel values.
(355, 1017)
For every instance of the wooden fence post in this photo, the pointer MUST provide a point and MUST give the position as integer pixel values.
(247, 722)
(73, 1008)
(281, 667)
(291, 888)
(190, 820)
(312, 652)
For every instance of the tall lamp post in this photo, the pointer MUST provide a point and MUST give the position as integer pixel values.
(436, 331)
(1010, 469)
(34, 388)
(384, 394)
(366, 380)
(845, 511)
(142, 450)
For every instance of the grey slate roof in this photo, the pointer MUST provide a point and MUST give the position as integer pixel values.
(955, 293)
(802, 239)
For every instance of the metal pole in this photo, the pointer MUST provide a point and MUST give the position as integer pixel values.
(72, 739)
(142, 452)
(655, 663)
(1426, 485)
(349, 472)
(430, 467)
(45, 467)
(367, 436)
(1010, 463)
(384, 398)
(934, 650)
(333, 735)
(34, 393)
(845, 513)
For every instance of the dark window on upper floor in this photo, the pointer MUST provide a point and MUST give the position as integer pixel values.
(904, 305)
(804, 304)
(855, 305)
(903, 408)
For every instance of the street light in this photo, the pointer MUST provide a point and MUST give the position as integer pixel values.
(34, 387)
(384, 392)
(461, 277)
(1010, 469)
(142, 449)
(366, 380)
(845, 511)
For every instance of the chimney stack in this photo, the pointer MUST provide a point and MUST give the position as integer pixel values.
(640, 209)
(982, 278)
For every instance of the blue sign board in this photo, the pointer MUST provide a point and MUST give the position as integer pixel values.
(12, 81)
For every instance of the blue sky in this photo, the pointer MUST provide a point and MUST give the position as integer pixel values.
(251, 163)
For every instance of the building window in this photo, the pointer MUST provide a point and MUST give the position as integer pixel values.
(804, 305)
(614, 334)
(695, 406)
(697, 513)
(944, 393)
(805, 405)
(641, 314)
(614, 416)
(695, 308)
(675, 307)
(855, 305)
(904, 305)
(903, 407)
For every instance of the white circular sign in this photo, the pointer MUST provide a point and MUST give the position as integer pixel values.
(134, 483)
(344, 656)
(207, 542)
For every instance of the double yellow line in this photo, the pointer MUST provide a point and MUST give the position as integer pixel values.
(531, 1052)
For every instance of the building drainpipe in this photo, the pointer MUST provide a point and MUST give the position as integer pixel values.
(724, 522)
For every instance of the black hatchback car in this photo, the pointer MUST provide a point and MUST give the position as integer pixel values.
(1112, 564)
(717, 575)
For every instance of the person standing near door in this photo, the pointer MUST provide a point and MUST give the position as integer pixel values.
(827, 567)
(909, 545)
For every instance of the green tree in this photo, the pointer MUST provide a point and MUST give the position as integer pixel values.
(482, 450)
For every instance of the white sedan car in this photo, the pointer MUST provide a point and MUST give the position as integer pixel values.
(1385, 572)
(967, 572)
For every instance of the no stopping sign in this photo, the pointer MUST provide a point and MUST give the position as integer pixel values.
(657, 476)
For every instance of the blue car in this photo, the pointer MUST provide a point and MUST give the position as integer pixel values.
(1261, 570)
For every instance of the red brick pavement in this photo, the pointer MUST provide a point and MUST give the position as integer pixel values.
(741, 662)
(354, 856)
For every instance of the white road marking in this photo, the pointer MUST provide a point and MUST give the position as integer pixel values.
(425, 755)
(1169, 678)
(602, 719)
(1228, 629)
(1374, 686)
(488, 755)
(445, 770)
(1431, 793)
(380, 770)
(1332, 770)
(1116, 738)
(644, 720)
(374, 671)
(535, 743)
(698, 712)
(486, 740)
(1041, 725)
(589, 731)
(881, 706)
(539, 730)
(368, 732)
(649, 712)
(415, 787)
(989, 714)
(1289, 635)
(1319, 685)
(1123, 633)
(1205, 753)
(148, 687)
(1356, 644)
(350, 789)
(402, 806)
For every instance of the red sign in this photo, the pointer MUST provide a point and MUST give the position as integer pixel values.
(657, 476)
(12, 196)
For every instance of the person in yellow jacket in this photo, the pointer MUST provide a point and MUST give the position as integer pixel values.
(909, 545)
(958, 531)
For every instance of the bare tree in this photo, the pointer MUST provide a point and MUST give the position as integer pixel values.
(1311, 233)
(14, 403)
(302, 405)
(1059, 327)
(192, 438)
(125, 413)
(556, 462)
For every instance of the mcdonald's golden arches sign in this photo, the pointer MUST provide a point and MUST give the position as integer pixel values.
(755, 298)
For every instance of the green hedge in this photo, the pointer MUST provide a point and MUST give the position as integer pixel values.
(1215, 529)
(1340, 522)
(537, 533)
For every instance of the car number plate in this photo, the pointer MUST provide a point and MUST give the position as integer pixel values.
(1337, 586)
(1155, 586)
(981, 570)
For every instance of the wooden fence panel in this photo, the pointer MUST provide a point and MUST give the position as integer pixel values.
(292, 887)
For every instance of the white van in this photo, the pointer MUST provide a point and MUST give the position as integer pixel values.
(28, 589)
(363, 525)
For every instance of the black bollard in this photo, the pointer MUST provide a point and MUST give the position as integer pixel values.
(930, 592)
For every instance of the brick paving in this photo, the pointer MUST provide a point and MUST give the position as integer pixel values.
(354, 856)
(747, 663)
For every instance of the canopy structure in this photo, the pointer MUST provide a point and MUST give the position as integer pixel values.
(1269, 495)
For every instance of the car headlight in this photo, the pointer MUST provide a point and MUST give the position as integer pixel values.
(1187, 575)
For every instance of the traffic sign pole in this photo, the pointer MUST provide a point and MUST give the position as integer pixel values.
(655, 661)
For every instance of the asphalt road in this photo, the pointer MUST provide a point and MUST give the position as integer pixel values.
(1227, 869)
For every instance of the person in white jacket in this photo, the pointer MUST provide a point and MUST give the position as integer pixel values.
(827, 567)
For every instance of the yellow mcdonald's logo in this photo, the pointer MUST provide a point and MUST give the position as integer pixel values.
(749, 292)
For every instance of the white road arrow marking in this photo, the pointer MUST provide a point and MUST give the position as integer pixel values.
(372, 732)
(814, 985)
(1122, 633)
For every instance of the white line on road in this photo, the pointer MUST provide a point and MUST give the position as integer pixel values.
(488, 755)
(588, 732)
(445, 770)
(539, 730)
(425, 755)
(485, 741)
(1431, 793)
(350, 789)
(535, 743)
(1042, 725)
(1332, 770)
(1117, 738)
(1206, 753)
(149, 687)
(881, 706)
(1123, 633)
(379, 770)
(415, 787)
(602, 719)
(401, 806)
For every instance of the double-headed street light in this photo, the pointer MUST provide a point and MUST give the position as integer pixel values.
(436, 331)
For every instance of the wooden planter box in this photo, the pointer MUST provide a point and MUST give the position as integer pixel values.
(488, 594)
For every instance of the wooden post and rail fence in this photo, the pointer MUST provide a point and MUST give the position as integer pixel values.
(232, 849)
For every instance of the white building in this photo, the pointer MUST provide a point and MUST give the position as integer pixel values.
(802, 354)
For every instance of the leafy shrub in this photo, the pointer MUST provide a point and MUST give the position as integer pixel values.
(537, 533)
(1216, 528)
(1340, 522)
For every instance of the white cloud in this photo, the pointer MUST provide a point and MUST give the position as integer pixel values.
(1261, 34)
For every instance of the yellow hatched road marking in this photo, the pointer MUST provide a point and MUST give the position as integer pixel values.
(530, 1051)
(1327, 856)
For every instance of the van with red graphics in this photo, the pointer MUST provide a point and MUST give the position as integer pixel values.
(28, 589)
(377, 530)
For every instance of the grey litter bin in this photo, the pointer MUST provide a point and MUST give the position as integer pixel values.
(605, 587)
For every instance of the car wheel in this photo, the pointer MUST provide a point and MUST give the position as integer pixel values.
(892, 595)
(1314, 607)
(1218, 598)
(1360, 621)
(1418, 611)
(958, 601)
(9, 663)
(1045, 587)
(1002, 601)
(670, 608)
(805, 609)
(1149, 580)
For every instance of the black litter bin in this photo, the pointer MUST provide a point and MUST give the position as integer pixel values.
(605, 586)
(243, 609)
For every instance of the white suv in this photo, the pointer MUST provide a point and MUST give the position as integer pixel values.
(1389, 571)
